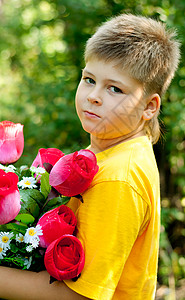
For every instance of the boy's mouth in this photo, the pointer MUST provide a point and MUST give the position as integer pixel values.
(91, 114)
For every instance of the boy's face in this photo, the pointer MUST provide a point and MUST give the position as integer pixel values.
(108, 101)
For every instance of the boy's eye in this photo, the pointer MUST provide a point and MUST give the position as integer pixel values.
(115, 89)
(89, 80)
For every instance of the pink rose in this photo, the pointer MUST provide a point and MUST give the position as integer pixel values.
(73, 173)
(9, 197)
(64, 258)
(49, 155)
(56, 222)
(11, 142)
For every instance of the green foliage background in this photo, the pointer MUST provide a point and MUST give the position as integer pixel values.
(41, 57)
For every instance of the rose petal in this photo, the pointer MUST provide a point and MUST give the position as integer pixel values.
(9, 207)
(8, 183)
(11, 142)
(56, 222)
(59, 260)
(61, 171)
(49, 155)
(73, 173)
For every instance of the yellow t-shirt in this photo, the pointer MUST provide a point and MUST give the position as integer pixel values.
(119, 225)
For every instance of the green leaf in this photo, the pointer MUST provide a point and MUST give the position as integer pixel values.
(52, 202)
(55, 202)
(45, 186)
(25, 218)
(65, 199)
(15, 228)
(25, 173)
(32, 200)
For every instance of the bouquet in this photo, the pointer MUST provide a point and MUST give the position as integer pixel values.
(37, 229)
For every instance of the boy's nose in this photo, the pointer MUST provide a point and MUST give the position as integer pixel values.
(94, 98)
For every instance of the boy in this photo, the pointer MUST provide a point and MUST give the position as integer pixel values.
(130, 62)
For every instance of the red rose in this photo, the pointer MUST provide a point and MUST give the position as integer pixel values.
(64, 258)
(49, 155)
(56, 222)
(11, 142)
(73, 173)
(9, 197)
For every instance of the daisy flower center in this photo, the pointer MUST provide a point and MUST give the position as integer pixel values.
(27, 182)
(32, 232)
(5, 239)
(1, 249)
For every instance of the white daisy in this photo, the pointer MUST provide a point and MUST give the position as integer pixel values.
(10, 168)
(32, 233)
(7, 169)
(19, 238)
(23, 168)
(2, 252)
(2, 167)
(35, 242)
(33, 169)
(27, 262)
(29, 248)
(27, 182)
(5, 239)
(37, 171)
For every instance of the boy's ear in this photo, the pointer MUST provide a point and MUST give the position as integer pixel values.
(152, 107)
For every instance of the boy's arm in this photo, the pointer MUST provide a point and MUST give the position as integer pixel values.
(21, 284)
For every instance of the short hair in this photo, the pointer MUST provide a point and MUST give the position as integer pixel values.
(143, 46)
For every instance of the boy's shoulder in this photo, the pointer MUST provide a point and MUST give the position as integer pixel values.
(128, 162)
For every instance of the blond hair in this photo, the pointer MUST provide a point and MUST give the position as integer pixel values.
(145, 47)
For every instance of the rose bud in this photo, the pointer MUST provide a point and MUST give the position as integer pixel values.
(9, 197)
(73, 173)
(65, 258)
(56, 222)
(49, 155)
(11, 142)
